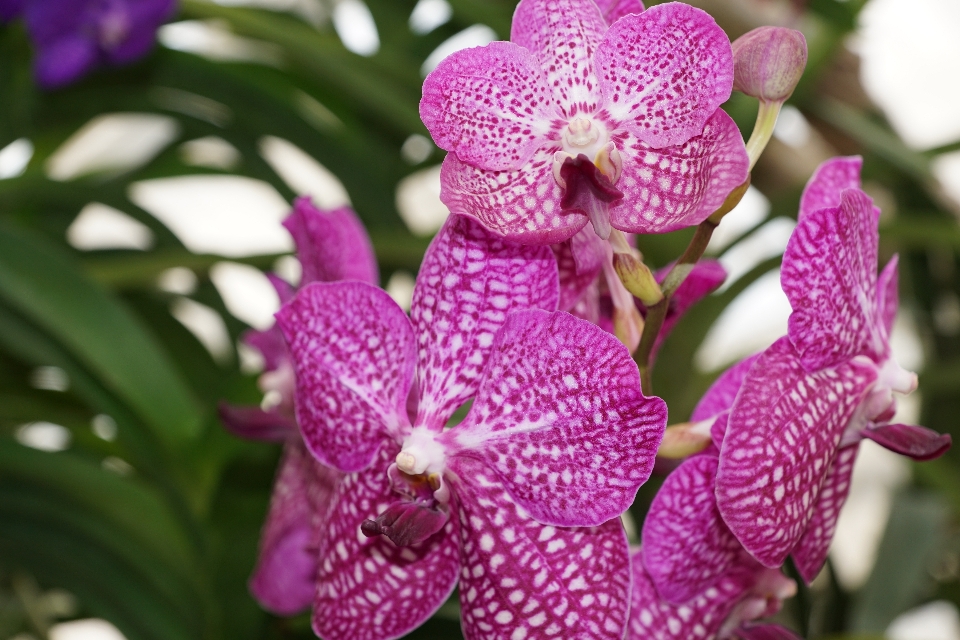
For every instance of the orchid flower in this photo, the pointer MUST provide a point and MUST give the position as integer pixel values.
(71, 37)
(692, 577)
(332, 246)
(10, 9)
(588, 285)
(577, 119)
(793, 432)
(519, 501)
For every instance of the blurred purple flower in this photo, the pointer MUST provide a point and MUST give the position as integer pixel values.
(10, 9)
(72, 37)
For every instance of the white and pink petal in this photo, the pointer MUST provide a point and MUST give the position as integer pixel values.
(613, 10)
(523, 579)
(331, 244)
(354, 354)
(470, 280)
(664, 72)
(830, 179)
(560, 417)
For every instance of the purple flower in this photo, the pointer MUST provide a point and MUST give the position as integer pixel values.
(10, 9)
(332, 246)
(71, 37)
(578, 120)
(519, 501)
(811, 397)
(692, 577)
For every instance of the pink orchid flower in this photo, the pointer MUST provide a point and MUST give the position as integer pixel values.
(518, 502)
(332, 246)
(809, 399)
(692, 577)
(599, 114)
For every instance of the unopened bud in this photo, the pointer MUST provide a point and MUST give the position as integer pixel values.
(628, 326)
(768, 62)
(684, 439)
(731, 202)
(637, 278)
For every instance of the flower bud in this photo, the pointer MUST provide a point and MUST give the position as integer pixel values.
(768, 62)
(637, 278)
(685, 439)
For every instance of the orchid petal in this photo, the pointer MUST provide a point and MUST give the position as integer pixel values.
(706, 277)
(354, 354)
(368, 587)
(469, 281)
(828, 181)
(811, 551)
(781, 437)
(253, 423)
(331, 245)
(686, 545)
(489, 105)
(677, 186)
(579, 262)
(522, 205)
(766, 632)
(829, 274)
(283, 580)
(910, 440)
(613, 10)
(888, 295)
(563, 35)
(285, 291)
(721, 394)
(664, 72)
(521, 579)
(699, 619)
(271, 345)
(560, 416)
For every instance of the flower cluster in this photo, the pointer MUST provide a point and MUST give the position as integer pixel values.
(491, 439)
(72, 37)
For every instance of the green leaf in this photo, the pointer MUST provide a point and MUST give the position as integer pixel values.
(49, 288)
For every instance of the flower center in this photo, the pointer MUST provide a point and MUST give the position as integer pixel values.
(421, 453)
(580, 134)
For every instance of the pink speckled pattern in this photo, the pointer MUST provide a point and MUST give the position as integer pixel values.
(811, 551)
(368, 588)
(651, 85)
(827, 183)
(284, 578)
(354, 353)
(678, 186)
(520, 579)
(560, 417)
(613, 10)
(470, 280)
(331, 245)
(781, 438)
(579, 262)
(652, 618)
(889, 296)
(686, 545)
(829, 274)
(664, 72)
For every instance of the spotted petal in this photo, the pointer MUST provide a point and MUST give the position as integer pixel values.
(721, 394)
(331, 245)
(700, 619)
(664, 72)
(563, 35)
(613, 10)
(829, 274)
(521, 205)
(678, 186)
(579, 261)
(811, 552)
(354, 354)
(686, 545)
(489, 105)
(368, 588)
(559, 415)
(889, 296)
(521, 579)
(781, 438)
(469, 281)
(828, 181)
(284, 579)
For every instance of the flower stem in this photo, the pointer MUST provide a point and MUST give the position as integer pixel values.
(762, 130)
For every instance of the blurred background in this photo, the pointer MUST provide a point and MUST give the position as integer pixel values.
(140, 207)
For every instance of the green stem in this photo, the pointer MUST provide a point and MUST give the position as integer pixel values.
(762, 130)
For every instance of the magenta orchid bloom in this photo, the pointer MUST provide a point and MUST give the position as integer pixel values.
(519, 502)
(810, 398)
(332, 246)
(692, 577)
(579, 118)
